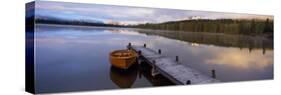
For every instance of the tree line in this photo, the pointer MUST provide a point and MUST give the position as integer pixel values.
(73, 22)
(228, 26)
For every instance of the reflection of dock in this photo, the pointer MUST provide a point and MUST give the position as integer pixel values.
(126, 78)
(171, 69)
(145, 71)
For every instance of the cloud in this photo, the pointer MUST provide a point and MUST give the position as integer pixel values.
(125, 14)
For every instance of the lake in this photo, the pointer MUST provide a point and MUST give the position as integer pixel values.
(75, 58)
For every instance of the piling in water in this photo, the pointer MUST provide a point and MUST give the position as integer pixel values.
(213, 74)
(188, 82)
(177, 58)
(159, 51)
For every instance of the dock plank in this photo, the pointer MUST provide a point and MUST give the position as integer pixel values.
(176, 72)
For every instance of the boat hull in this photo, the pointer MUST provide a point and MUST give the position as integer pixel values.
(123, 62)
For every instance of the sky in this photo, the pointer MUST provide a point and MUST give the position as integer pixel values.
(127, 15)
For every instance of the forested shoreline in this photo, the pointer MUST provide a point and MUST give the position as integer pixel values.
(228, 26)
(253, 27)
(73, 22)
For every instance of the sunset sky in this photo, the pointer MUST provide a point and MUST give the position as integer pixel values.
(127, 15)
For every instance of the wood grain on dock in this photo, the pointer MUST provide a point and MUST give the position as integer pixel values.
(170, 68)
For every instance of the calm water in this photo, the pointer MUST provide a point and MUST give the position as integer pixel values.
(73, 58)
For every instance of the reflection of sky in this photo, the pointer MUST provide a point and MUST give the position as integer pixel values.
(224, 56)
(241, 59)
(76, 58)
(129, 15)
(231, 64)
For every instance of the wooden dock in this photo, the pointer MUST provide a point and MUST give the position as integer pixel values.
(171, 68)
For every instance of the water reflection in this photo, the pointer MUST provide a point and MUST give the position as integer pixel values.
(229, 54)
(158, 80)
(123, 78)
(240, 41)
(241, 59)
(70, 58)
(126, 78)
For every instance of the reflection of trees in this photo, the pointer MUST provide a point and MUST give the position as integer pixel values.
(239, 41)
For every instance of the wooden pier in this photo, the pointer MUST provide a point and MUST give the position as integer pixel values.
(171, 68)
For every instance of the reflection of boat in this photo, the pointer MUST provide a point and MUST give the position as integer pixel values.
(126, 78)
(123, 78)
(123, 58)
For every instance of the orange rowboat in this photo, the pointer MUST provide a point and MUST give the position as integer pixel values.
(123, 59)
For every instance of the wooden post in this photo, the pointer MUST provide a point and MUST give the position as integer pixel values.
(154, 71)
(213, 74)
(159, 51)
(153, 65)
(129, 46)
(177, 58)
(188, 82)
(144, 45)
